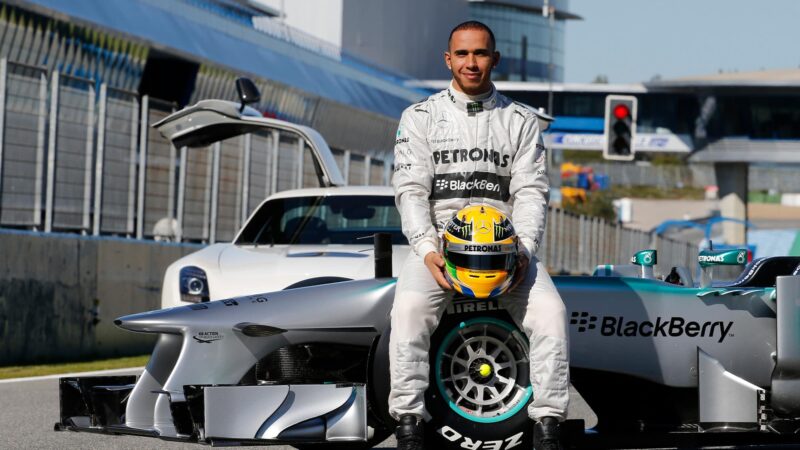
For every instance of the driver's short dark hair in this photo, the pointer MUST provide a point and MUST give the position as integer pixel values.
(473, 25)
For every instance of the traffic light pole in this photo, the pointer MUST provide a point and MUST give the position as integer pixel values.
(549, 13)
(732, 179)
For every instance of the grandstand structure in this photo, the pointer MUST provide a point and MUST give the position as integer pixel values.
(81, 84)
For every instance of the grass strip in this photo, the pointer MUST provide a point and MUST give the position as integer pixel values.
(72, 367)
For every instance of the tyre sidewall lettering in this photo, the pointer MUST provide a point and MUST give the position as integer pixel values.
(476, 444)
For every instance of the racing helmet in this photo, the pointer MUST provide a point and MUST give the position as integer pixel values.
(480, 251)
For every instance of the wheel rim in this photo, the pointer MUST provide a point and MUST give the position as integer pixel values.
(482, 370)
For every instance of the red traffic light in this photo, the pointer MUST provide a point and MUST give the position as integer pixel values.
(621, 111)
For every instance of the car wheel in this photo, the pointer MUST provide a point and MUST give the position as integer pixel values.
(479, 383)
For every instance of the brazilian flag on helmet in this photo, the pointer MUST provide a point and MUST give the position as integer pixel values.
(480, 251)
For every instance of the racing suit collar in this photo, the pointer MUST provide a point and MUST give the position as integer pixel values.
(461, 100)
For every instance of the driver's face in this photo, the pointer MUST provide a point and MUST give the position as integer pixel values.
(471, 59)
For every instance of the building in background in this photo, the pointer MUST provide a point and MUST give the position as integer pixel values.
(531, 45)
(180, 51)
(739, 132)
(82, 83)
(410, 37)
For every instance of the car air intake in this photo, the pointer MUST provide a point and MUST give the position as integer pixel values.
(314, 363)
(256, 330)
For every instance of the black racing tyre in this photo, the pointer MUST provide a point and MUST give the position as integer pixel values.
(479, 380)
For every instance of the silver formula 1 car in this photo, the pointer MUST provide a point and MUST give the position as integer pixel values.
(663, 363)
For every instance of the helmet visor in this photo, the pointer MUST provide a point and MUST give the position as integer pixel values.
(482, 261)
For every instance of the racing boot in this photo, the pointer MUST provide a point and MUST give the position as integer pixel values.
(547, 434)
(410, 434)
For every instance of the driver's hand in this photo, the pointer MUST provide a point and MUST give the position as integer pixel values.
(435, 263)
(522, 270)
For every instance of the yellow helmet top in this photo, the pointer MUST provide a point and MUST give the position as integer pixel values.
(480, 251)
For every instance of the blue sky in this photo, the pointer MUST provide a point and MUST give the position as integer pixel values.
(633, 40)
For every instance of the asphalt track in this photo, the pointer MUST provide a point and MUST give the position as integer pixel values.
(29, 409)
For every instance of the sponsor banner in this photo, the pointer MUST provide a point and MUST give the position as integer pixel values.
(470, 185)
(643, 142)
(660, 327)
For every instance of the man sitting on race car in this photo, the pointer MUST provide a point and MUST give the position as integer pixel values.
(469, 144)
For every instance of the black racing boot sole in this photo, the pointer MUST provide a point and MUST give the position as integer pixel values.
(410, 433)
(547, 434)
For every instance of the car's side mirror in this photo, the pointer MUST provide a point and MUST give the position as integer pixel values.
(248, 92)
(646, 259)
(735, 257)
(710, 258)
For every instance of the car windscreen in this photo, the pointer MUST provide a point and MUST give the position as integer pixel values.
(323, 220)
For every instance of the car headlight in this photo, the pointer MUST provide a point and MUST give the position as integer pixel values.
(194, 285)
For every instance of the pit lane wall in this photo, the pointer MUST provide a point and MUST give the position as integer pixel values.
(59, 294)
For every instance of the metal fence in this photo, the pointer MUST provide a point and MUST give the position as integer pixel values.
(115, 166)
(79, 156)
(780, 178)
(577, 244)
(667, 176)
(88, 52)
(23, 116)
(69, 153)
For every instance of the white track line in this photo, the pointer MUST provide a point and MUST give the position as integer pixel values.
(76, 374)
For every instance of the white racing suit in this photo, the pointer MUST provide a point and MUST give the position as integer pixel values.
(445, 159)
